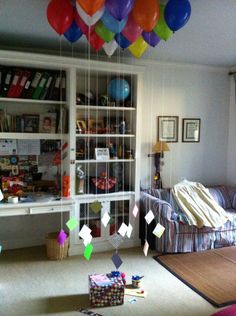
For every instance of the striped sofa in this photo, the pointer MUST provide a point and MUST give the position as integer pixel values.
(179, 236)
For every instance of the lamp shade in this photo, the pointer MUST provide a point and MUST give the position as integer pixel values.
(159, 147)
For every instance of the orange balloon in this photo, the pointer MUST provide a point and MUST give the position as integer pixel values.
(91, 6)
(146, 13)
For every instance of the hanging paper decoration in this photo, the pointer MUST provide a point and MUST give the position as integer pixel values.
(116, 260)
(129, 231)
(132, 24)
(146, 248)
(116, 240)
(105, 219)
(88, 251)
(61, 238)
(95, 207)
(72, 223)
(158, 230)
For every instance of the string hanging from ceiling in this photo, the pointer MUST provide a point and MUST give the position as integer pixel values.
(108, 24)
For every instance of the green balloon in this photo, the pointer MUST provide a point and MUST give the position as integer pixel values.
(161, 29)
(103, 32)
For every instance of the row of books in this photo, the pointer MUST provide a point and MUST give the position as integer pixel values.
(37, 84)
(50, 122)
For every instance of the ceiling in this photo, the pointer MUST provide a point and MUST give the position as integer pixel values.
(209, 37)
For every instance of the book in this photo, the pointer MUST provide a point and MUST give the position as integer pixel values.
(6, 82)
(27, 85)
(14, 83)
(41, 85)
(63, 87)
(55, 92)
(45, 92)
(22, 82)
(31, 123)
(34, 84)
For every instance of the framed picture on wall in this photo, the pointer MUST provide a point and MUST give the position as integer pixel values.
(167, 128)
(191, 130)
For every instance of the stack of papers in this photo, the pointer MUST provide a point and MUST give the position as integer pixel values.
(101, 279)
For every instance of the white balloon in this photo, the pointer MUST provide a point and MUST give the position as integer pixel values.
(110, 47)
(90, 20)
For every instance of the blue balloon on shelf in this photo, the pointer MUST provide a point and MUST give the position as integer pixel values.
(118, 89)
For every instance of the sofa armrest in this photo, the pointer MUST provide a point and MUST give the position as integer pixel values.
(160, 208)
(232, 196)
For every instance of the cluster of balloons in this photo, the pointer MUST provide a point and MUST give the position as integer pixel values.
(132, 24)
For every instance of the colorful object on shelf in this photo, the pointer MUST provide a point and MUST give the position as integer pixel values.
(95, 207)
(72, 223)
(122, 20)
(61, 238)
(66, 186)
(88, 251)
(136, 281)
(118, 89)
(116, 259)
(107, 295)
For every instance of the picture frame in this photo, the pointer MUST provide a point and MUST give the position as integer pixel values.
(31, 123)
(96, 126)
(81, 126)
(191, 130)
(102, 154)
(47, 123)
(167, 128)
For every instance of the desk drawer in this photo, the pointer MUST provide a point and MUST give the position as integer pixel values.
(50, 209)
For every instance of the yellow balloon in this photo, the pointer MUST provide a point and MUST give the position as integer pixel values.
(138, 47)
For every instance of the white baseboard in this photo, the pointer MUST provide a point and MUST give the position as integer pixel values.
(22, 243)
(78, 249)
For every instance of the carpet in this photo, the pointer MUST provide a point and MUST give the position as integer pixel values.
(212, 273)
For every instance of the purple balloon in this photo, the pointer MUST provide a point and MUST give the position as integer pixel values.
(151, 38)
(119, 9)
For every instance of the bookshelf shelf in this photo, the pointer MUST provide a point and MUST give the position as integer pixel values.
(32, 136)
(102, 161)
(31, 101)
(99, 107)
(106, 135)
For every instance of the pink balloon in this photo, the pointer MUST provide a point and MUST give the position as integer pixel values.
(132, 30)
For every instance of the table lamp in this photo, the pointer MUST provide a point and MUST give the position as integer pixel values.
(158, 150)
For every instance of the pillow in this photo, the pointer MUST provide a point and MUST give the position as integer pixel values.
(229, 311)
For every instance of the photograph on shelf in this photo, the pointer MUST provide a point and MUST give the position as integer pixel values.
(47, 123)
(167, 128)
(102, 154)
(191, 130)
(31, 123)
(81, 126)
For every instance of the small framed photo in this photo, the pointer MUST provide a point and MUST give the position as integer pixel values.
(96, 126)
(81, 126)
(31, 123)
(191, 130)
(102, 154)
(47, 123)
(167, 128)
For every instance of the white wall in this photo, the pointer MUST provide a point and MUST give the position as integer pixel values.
(231, 164)
(188, 92)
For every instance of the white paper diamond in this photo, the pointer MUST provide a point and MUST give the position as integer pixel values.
(105, 219)
(123, 229)
(129, 230)
(116, 240)
(149, 217)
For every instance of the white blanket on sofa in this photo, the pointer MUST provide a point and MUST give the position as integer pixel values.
(198, 205)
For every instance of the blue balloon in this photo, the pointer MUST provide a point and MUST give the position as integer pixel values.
(73, 33)
(118, 89)
(122, 41)
(112, 24)
(151, 38)
(177, 13)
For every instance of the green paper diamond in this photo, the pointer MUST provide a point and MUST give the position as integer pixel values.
(88, 251)
(96, 207)
(72, 223)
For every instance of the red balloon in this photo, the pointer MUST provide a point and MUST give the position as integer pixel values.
(95, 41)
(146, 13)
(60, 15)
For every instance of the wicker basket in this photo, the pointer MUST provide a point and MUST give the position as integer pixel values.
(54, 250)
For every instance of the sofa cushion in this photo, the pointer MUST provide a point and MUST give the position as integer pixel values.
(221, 195)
